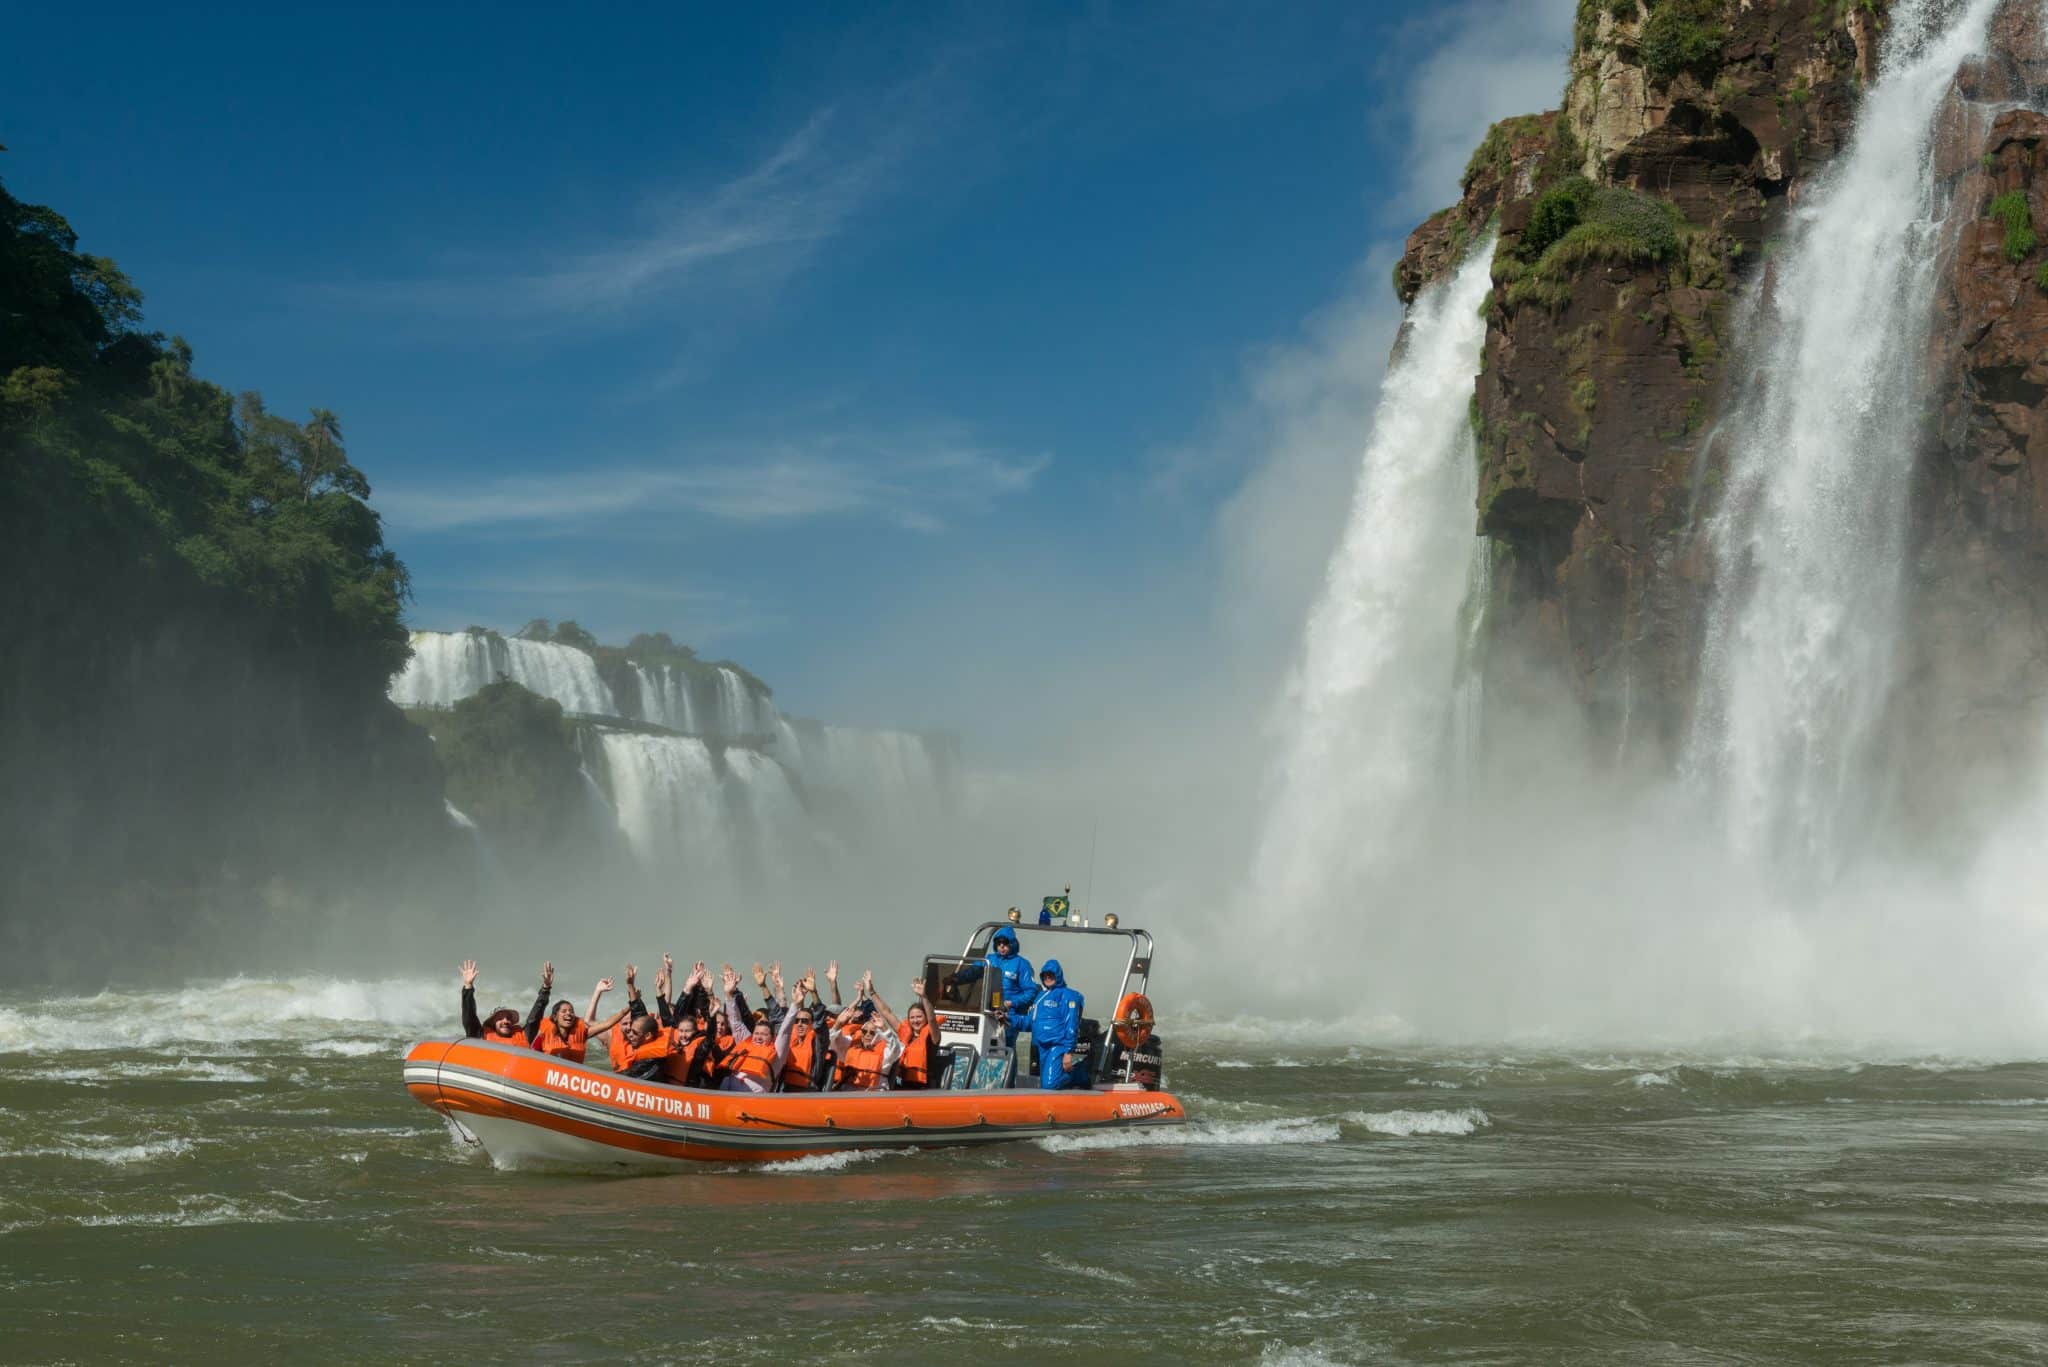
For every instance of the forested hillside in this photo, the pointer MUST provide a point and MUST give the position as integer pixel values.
(200, 618)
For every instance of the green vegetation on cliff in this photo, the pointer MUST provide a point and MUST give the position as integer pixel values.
(202, 616)
(2017, 218)
(1577, 223)
(511, 765)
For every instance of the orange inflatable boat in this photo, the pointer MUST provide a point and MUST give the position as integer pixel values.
(529, 1110)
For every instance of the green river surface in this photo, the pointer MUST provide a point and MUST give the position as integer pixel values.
(235, 1173)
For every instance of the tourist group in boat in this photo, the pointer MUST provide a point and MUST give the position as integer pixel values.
(707, 1034)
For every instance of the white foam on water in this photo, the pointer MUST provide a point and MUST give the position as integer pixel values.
(230, 1012)
(1284, 1355)
(1246, 1133)
(120, 1155)
(192, 1212)
(830, 1162)
(1653, 1080)
(1406, 1124)
(345, 1048)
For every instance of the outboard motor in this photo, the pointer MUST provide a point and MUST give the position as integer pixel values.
(1145, 1064)
(1087, 1052)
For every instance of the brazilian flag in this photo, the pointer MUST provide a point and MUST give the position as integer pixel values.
(1054, 909)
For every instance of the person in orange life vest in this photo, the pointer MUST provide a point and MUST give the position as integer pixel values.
(689, 1054)
(758, 1057)
(637, 1049)
(560, 1033)
(804, 1069)
(913, 1036)
(920, 1043)
(868, 1048)
(693, 1001)
(503, 1025)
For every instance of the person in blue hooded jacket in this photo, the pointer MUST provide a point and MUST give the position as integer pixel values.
(1019, 985)
(1054, 1021)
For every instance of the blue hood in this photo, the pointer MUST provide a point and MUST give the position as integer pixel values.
(1002, 936)
(1052, 966)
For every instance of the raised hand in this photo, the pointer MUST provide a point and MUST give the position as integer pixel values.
(832, 971)
(781, 992)
(732, 981)
(775, 970)
(547, 975)
(669, 964)
(604, 985)
(469, 972)
(760, 978)
(917, 989)
(632, 989)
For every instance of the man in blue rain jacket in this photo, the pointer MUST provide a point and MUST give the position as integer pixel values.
(1055, 1024)
(1014, 977)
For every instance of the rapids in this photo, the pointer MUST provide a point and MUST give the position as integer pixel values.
(243, 1151)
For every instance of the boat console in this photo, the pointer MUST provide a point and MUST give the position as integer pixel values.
(971, 1020)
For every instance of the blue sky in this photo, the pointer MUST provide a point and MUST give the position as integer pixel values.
(929, 361)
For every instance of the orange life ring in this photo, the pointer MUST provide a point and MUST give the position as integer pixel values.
(1133, 1019)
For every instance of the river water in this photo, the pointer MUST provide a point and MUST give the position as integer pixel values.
(235, 1171)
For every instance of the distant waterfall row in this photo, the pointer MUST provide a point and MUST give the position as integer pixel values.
(738, 792)
(712, 700)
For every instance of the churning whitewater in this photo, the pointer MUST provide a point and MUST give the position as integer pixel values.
(1367, 705)
(1810, 546)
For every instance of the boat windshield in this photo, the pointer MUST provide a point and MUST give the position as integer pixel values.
(943, 989)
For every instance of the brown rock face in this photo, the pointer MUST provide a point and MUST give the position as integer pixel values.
(1605, 369)
(1503, 168)
(1981, 625)
(1607, 364)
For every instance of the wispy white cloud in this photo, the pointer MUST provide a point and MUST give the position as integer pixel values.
(1497, 58)
(918, 486)
(768, 220)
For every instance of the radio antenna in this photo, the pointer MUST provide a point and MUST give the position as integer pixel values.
(1088, 892)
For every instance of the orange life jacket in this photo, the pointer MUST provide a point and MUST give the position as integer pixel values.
(551, 1041)
(681, 1058)
(757, 1061)
(796, 1073)
(917, 1053)
(625, 1055)
(860, 1065)
(663, 1043)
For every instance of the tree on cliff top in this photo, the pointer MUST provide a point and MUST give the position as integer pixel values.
(127, 461)
(206, 617)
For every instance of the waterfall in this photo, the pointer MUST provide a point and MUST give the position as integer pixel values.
(670, 803)
(665, 697)
(448, 666)
(738, 712)
(1369, 701)
(1802, 646)
(892, 776)
(780, 829)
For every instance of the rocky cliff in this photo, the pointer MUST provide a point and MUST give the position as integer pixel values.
(1632, 224)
